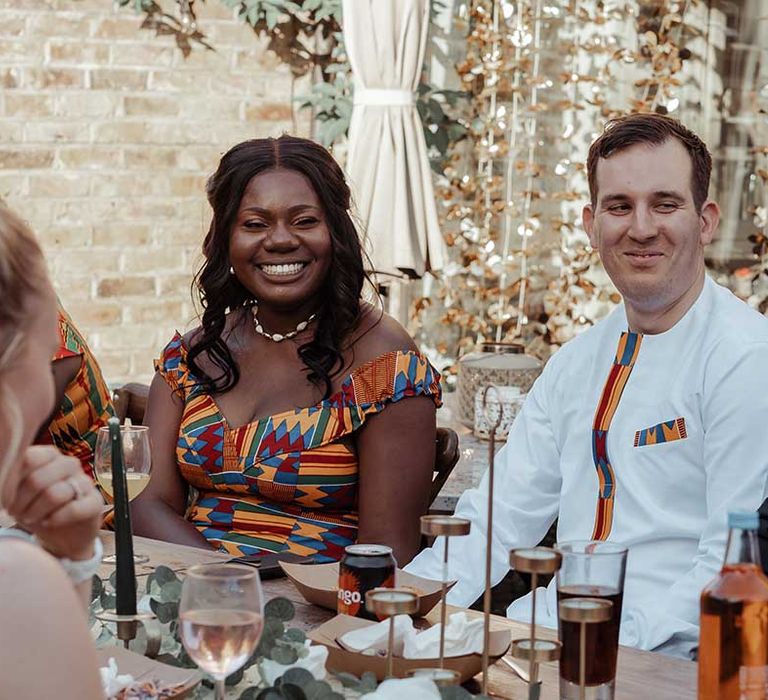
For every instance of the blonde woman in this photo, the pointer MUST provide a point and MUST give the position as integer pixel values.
(47, 561)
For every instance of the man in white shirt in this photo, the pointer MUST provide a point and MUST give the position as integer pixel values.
(647, 428)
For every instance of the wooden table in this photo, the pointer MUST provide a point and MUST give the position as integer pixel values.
(640, 675)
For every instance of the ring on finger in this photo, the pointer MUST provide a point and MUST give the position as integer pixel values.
(77, 491)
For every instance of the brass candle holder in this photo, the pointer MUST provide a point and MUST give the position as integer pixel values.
(388, 602)
(535, 561)
(446, 526)
(492, 428)
(584, 611)
(543, 650)
(128, 628)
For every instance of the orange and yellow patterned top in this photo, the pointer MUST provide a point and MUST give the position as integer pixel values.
(86, 405)
(287, 482)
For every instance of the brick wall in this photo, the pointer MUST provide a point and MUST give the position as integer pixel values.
(107, 135)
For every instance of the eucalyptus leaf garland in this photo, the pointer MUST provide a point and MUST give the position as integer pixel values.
(284, 645)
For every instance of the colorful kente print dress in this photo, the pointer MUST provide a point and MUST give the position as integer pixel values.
(87, 403)
(286, 482)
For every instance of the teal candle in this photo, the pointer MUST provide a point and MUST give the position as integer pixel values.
(126, 574)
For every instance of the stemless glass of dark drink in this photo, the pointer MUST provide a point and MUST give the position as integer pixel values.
(590, 569)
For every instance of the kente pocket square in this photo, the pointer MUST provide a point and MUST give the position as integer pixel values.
(667, 431)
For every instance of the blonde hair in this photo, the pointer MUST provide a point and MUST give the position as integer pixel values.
(22, 271)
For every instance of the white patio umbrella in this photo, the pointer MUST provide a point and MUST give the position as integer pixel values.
(387, 160)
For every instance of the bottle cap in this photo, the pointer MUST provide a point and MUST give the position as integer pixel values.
(744, 519)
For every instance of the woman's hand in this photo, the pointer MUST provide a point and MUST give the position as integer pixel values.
(58, 503)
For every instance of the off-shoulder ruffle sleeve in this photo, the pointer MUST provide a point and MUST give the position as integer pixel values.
(389, 378)
(370, 388)
(172, 366)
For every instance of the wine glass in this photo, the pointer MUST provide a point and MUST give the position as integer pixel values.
(137, 462)
(221, 617)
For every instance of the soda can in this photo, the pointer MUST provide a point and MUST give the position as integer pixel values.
(362, 568)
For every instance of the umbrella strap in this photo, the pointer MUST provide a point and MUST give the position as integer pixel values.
(384, 97)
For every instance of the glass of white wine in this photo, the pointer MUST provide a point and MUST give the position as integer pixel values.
(221, 618)
(137, 461)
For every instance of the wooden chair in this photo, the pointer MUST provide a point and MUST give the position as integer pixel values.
(446, 457)
(130, 401)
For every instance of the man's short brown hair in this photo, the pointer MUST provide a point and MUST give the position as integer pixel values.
(651, 129)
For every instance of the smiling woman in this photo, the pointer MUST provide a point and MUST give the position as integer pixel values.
(298, 417)
(280, 248)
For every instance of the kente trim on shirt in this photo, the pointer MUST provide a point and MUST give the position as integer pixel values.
(666, 431)
(626, 355)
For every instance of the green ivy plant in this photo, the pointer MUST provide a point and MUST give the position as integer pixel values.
(165, 24)
(300, 32)
(306, 35)
(442, 128)
(331, 98)
(332, 101)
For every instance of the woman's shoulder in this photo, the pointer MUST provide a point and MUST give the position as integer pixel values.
(386, 364)
(39, 607)
(377, 334)
(175, 350)
(25, 567)
(189, 338)
(21, 550)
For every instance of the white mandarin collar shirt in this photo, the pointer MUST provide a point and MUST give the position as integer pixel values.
(688, 442)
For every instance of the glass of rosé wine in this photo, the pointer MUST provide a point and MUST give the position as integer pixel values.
(221, 618)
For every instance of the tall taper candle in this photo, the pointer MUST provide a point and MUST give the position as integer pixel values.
(126, 574)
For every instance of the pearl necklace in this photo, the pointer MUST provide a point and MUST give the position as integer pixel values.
(277, 337)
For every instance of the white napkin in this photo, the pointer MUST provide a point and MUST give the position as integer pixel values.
(405, 689)
(375, 637)
(269, 671)
(462, 636)
(111, 681)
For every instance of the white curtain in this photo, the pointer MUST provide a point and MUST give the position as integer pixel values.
(387, 156)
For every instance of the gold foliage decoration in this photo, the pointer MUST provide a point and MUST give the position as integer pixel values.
(543, 78)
